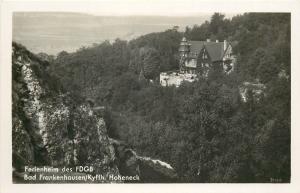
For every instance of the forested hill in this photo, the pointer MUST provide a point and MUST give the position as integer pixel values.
(204, 129)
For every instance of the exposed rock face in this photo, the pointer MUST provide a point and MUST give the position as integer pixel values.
(149, 170)
(48, 129)
(255, 87)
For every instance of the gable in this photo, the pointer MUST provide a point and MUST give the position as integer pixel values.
(203, 55)
(195, 48)
(215, 51)
(228, 52)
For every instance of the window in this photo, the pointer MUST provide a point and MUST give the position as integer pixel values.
(204, 55)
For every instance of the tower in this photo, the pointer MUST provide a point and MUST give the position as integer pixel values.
(184, 49)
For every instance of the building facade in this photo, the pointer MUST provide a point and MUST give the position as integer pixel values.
(197, 57)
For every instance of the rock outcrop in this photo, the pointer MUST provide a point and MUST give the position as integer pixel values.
(149, 170)
(49, 129)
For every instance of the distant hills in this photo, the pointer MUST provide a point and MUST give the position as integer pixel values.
(54, 32)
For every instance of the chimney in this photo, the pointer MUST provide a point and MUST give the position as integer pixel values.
(207, 40)
(217, 41)
(225, 45)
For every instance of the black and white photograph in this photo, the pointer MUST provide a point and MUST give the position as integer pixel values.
(151, 98)
(139, 98)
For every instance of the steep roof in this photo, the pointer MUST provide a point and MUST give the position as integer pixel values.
(196, 46)
(214, 49)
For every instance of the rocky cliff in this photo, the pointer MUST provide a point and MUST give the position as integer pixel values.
(149, 170)
(49, 129)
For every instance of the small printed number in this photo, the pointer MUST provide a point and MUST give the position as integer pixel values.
(275, 180)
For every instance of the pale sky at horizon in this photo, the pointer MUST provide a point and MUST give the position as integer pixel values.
(52, 32)
(179, 8)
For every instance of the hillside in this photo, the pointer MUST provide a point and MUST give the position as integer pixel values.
(49, 129)
(205, 130)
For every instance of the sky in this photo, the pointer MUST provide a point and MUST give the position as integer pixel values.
(53, 32)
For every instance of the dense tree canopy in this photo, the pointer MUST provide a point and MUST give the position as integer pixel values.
(203, 129)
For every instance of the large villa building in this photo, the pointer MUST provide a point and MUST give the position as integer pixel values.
(197, 58)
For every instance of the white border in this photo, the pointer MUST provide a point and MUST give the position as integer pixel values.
(143, 7)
